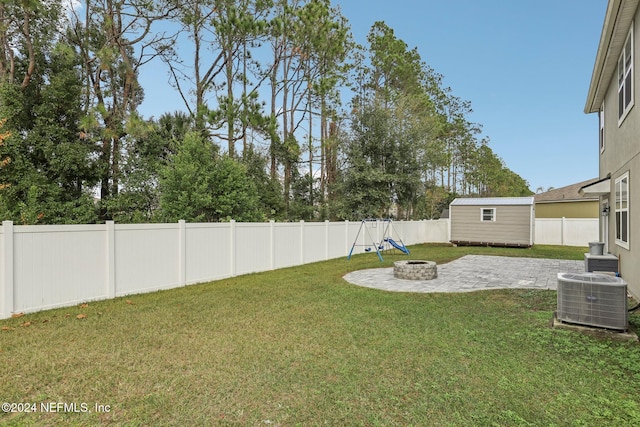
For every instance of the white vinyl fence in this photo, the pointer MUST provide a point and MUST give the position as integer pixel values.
(566, 231)
(47, 266)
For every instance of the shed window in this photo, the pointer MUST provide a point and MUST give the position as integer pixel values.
(625, 78)
(622, 211)
(488, 214)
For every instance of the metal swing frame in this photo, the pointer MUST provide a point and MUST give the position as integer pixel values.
(385, 244)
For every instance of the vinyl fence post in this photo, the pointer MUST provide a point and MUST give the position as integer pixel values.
(326, 239)
(6, 281)
(301, 241)
(346, 237)
(232, 246)
(563, 228)
(182, 252)
(272, 248)
(111, 259)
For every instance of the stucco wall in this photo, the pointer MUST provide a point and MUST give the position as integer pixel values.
(621, 155)
(588, 209)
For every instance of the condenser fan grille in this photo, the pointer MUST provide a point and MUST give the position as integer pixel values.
(592, 278)
(592, 300)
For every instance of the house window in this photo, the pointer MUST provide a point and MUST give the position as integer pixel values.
(625, 78)
(488, 214)
(622, 211)
(601, 124)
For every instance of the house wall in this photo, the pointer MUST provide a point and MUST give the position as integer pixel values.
(512, 225)
(586, 209)
(621, 155)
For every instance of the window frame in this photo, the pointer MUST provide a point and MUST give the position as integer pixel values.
(493, 214)
(625, 78)
(621, 209)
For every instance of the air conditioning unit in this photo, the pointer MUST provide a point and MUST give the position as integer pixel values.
(593, 300)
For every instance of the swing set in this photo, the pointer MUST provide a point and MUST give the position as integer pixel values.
(386, 242)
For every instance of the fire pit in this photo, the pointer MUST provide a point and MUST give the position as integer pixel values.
(415, 270)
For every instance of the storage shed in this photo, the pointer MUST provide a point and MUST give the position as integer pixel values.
(492, 221)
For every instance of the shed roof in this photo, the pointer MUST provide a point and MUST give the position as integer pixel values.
(569, 193)
(495, 201)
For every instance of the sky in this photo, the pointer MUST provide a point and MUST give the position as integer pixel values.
(525, 66)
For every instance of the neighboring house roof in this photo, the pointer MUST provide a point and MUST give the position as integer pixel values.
(570, 193)
(617, 22)
(486, 201)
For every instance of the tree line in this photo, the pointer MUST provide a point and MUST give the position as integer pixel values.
(284, 116)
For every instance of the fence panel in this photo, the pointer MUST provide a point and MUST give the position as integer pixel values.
(548, 231)
(407, 231)
(435, 231)
(314, 240)
(287, 244)
(146, 257)
(54, 266)
(581, 231)
(566, 231)
(208, 252)
(252, 248)
(337, 244)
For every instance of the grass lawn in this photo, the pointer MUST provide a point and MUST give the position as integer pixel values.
(300, 346)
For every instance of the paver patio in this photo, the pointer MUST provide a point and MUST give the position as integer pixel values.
(474, 273)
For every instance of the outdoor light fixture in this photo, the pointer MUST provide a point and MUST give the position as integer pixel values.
(605, 211)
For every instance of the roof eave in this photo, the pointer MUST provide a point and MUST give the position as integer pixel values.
(595, 189)
(616, 25)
